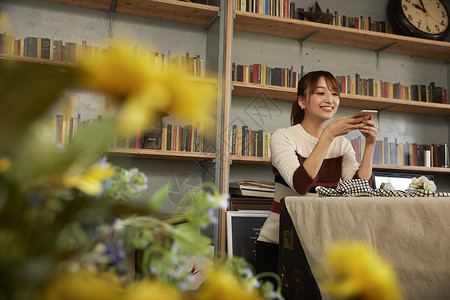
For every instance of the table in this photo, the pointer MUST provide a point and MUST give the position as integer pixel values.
(412, 234)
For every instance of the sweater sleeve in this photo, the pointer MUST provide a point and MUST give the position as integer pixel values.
(285, 160)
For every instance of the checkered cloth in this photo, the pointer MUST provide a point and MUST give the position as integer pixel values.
(361, 188)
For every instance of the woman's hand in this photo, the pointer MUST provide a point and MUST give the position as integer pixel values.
(369, 130)
(343, 125)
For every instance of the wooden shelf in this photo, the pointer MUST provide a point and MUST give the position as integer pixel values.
(171, 10)
(263, 91)
(343, 36)
(160, 154)
(25, 59)
(250, 160)
(32, 60)
(94, 4)
(414, 169)
(347, 100)
(405, 169)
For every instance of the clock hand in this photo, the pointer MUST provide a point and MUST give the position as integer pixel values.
(423, 6)
(418, 7)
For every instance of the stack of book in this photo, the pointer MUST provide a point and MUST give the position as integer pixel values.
(249, 188)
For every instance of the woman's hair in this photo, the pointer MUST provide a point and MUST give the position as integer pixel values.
(306, 87)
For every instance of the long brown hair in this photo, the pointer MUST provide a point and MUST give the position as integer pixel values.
(306, 87)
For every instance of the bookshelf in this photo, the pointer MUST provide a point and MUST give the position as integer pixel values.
(177, 11)
(94, 4)
(32, 60)
(343, 36)
(416, 169)
(170, 10)
(65, 64)
(270, 29)
(160, 154)
(347, 100)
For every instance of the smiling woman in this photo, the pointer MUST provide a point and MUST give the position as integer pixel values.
(307, 155)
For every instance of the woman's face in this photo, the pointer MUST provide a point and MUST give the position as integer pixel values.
(322, 104)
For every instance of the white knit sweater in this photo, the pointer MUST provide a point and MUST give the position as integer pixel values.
(285, 145)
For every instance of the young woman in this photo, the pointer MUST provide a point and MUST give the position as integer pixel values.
(307, 155)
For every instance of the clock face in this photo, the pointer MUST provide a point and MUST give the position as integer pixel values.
(428, 16)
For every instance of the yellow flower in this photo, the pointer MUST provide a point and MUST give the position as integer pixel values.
(152, 289)
(147, 90)
(118, 72)
(90, 182)
(82, 286)
(359, 272)
(223, 285)
(5, 164)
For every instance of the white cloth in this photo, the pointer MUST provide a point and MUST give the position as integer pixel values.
(413, 234)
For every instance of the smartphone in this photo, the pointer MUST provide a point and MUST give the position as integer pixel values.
(365, 112)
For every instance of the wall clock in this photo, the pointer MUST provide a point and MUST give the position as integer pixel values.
(420, 18)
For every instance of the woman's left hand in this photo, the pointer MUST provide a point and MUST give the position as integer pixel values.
(369, 131)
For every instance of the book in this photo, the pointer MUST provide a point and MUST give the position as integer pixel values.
(31, 44)
(255, 185)
(251, 193)
(45, 48)
(252, 189)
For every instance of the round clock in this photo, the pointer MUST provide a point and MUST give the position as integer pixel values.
(420, 18)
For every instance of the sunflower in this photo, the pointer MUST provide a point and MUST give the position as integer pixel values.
(223, 285)
(359, 273)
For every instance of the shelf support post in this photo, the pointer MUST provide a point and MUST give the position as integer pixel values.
(378, 53)
(112, 10)
(213, 19)
(300, 41)
(379, 112)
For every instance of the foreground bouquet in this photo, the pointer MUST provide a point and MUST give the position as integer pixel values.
(69, 219)
(358, 272)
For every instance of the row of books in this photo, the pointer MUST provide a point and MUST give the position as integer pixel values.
(247, 142)
(288, 9)
(170, 137)
(57, 50)
(370, 87)
(65, 127)
(260, 74)
(404, 154)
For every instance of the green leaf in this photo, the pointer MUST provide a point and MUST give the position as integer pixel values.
(37, 158)
(190, 239)
(154, 204)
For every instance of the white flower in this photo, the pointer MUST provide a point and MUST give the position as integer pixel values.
(422, 183)
(423, 179)
(414, 186)
(387, 186)
(416, 181)
(429, 186)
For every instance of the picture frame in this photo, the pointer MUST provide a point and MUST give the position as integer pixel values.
(243, 229)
